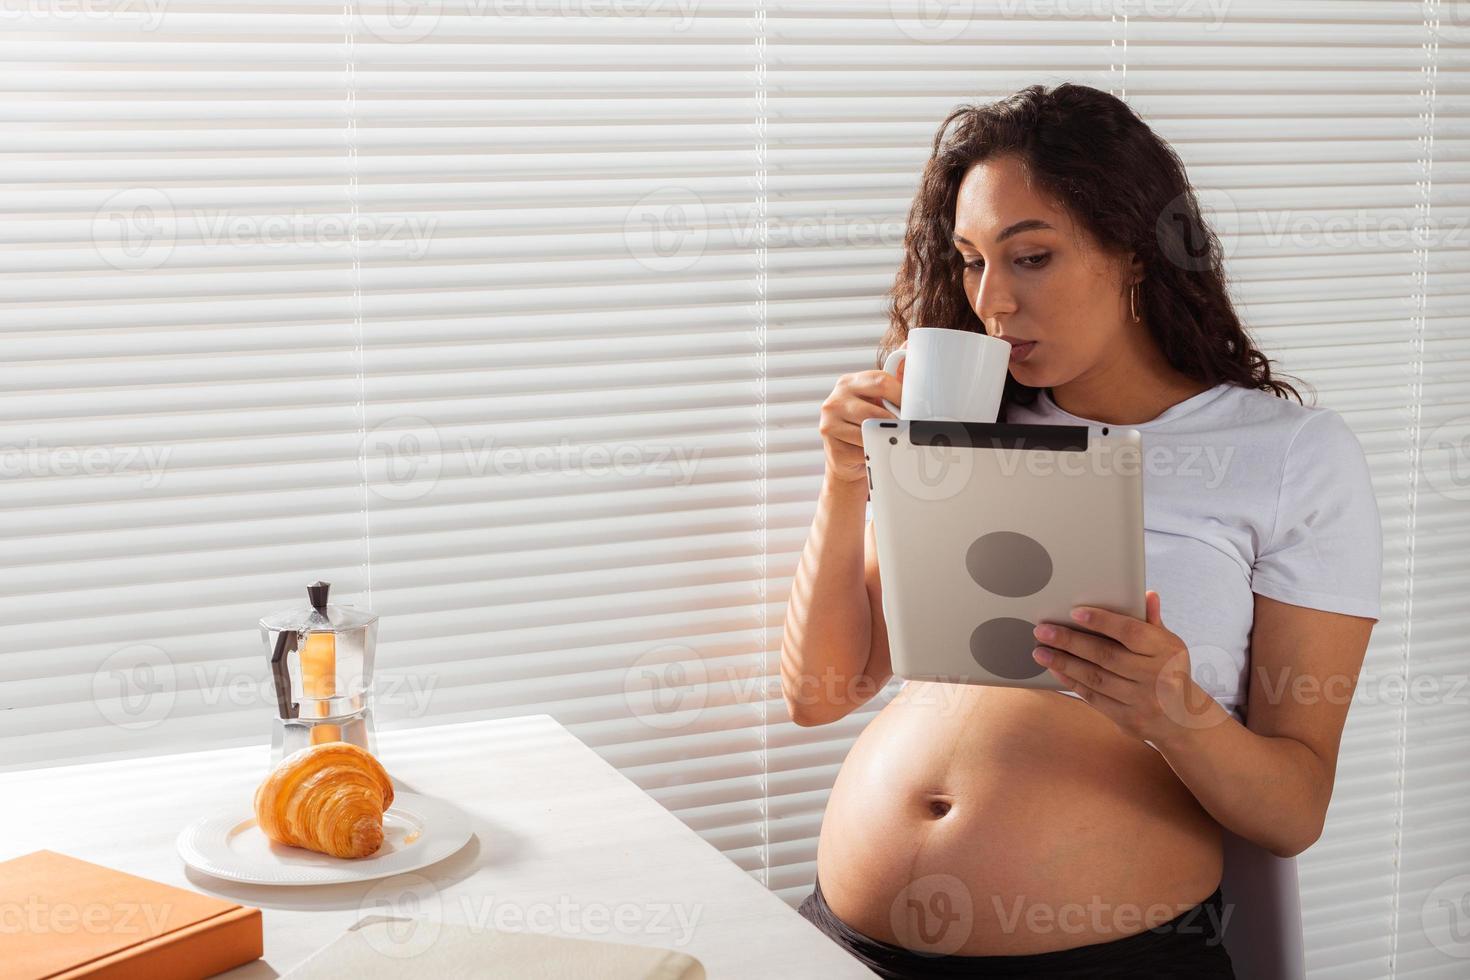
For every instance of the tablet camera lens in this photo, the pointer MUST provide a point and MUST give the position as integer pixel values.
(893, 440)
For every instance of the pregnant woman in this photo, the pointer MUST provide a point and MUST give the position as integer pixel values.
(991, 831)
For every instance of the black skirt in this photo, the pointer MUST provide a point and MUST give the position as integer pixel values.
(1187, 946)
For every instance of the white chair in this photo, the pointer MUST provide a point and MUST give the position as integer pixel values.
(1263, 933)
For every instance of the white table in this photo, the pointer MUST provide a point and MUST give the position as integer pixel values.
(563, 843)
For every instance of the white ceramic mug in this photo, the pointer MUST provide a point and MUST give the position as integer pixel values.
(951, 375)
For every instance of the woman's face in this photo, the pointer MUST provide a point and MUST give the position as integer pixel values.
(1033, 274)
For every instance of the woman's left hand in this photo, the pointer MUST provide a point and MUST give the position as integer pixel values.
(1136, 673)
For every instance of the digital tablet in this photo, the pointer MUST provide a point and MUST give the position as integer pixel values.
(985, 530)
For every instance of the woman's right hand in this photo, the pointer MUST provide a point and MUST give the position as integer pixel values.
(854, 398)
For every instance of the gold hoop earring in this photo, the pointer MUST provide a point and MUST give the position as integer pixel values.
(1133, 301)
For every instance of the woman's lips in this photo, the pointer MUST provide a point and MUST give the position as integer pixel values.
(1020, 352)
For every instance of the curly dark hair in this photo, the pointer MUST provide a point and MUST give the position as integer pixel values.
(1091, 153)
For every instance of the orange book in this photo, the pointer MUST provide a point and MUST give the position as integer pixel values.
(62, 918)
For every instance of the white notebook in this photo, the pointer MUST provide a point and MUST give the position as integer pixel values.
(395, 946)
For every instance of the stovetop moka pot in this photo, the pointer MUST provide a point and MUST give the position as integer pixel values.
(321, 659)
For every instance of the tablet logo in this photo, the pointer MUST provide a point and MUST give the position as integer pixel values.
(1014, 565)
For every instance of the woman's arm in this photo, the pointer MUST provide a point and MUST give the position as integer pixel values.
(834, 652)
(1270, 781)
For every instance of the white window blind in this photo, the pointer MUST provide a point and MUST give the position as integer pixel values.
(512, 321)
(1316, 129)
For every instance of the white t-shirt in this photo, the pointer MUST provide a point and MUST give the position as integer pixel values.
(1246, 492)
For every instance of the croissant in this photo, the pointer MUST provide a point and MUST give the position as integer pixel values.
(329, 798)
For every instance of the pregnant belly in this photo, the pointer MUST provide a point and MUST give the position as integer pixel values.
(1001, 821)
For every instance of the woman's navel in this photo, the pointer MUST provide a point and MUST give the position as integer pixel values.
(938, 804)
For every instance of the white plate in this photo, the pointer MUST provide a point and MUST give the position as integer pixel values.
(417, 831)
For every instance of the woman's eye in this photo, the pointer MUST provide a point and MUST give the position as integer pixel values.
(1028, 261)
